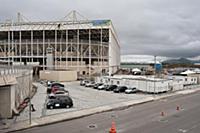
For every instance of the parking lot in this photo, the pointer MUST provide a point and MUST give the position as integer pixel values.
(83, 98)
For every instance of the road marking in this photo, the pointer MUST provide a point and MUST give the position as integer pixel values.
(182, 130)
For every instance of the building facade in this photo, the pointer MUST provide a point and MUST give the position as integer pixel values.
(86, 46)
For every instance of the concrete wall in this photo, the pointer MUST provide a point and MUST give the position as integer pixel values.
(22, 90)
(58, 75)
(5, 102)
(14, 88)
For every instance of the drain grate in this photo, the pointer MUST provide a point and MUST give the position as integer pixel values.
(92, 126)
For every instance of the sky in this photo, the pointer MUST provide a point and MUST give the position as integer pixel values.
(149, 27)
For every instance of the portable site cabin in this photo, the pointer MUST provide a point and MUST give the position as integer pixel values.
(117, 81)
(176, 84)
(143, 83)
(187, 80)
(103, 79)
(125, 80)
(151, 85)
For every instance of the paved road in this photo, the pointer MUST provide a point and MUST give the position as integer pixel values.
(144, 118)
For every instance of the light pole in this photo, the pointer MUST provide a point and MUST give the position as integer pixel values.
(29, 96)
(154, 74)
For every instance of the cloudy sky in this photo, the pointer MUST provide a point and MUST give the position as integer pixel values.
(150, 27)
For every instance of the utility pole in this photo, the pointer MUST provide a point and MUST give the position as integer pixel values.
(154, 74)
(29, 97)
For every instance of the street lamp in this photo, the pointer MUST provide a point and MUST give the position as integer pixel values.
(154, 74)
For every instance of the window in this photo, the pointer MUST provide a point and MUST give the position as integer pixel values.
(118, 82)
(185, 79)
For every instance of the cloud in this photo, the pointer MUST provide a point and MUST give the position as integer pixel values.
(154, 27)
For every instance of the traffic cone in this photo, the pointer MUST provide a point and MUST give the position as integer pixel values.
(177, 108)
(113, 128)
(162, 113)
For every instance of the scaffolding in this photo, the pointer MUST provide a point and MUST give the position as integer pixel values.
(76, 42)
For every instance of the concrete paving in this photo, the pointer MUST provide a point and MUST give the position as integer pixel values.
(83, 98)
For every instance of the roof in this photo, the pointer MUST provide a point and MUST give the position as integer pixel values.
(136, 70)
(53, 25)
(187, 72)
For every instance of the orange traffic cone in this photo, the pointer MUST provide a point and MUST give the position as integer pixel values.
(113, 128)
(162, 113)
(177, 108)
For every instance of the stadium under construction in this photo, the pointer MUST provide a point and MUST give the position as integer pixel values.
(73, 43)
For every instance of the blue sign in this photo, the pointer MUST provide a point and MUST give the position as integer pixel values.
(158, 67)
(100, 22)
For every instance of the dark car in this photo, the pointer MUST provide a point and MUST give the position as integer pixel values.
(97, 85)
(120, 89)
(59, 102)
(54, 87)
(111, 87)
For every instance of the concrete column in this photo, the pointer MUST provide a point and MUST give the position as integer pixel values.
(101, 53)
(20, 46)
(12, 36)
(89, 53)
(78, 65)
(32, 46)
(8, 48)
(55, 48)
(43, 48)
(66, 43)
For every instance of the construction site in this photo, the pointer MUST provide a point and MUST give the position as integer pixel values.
(89, 47)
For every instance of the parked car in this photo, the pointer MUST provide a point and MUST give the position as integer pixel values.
(111, 87)
(55, 87)
(83, 82)
(97, 85)
(120, 89)
(59, 102)
(90, 84)
(131, 90)
(102, 87)
(58, 93)
(48, 83)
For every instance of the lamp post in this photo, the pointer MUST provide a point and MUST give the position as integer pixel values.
(154, 74)
(30, 74)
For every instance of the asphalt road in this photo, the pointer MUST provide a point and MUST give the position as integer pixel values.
(144, 118)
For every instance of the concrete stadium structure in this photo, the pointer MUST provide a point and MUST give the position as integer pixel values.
(73, 43)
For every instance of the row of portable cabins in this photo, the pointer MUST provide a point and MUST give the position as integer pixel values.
(149, 84)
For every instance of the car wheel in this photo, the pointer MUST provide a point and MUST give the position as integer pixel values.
(67, 106)
(51, 107)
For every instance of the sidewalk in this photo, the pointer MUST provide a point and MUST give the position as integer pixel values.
(86, 112)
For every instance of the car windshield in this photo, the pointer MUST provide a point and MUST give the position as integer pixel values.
(57, 85)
